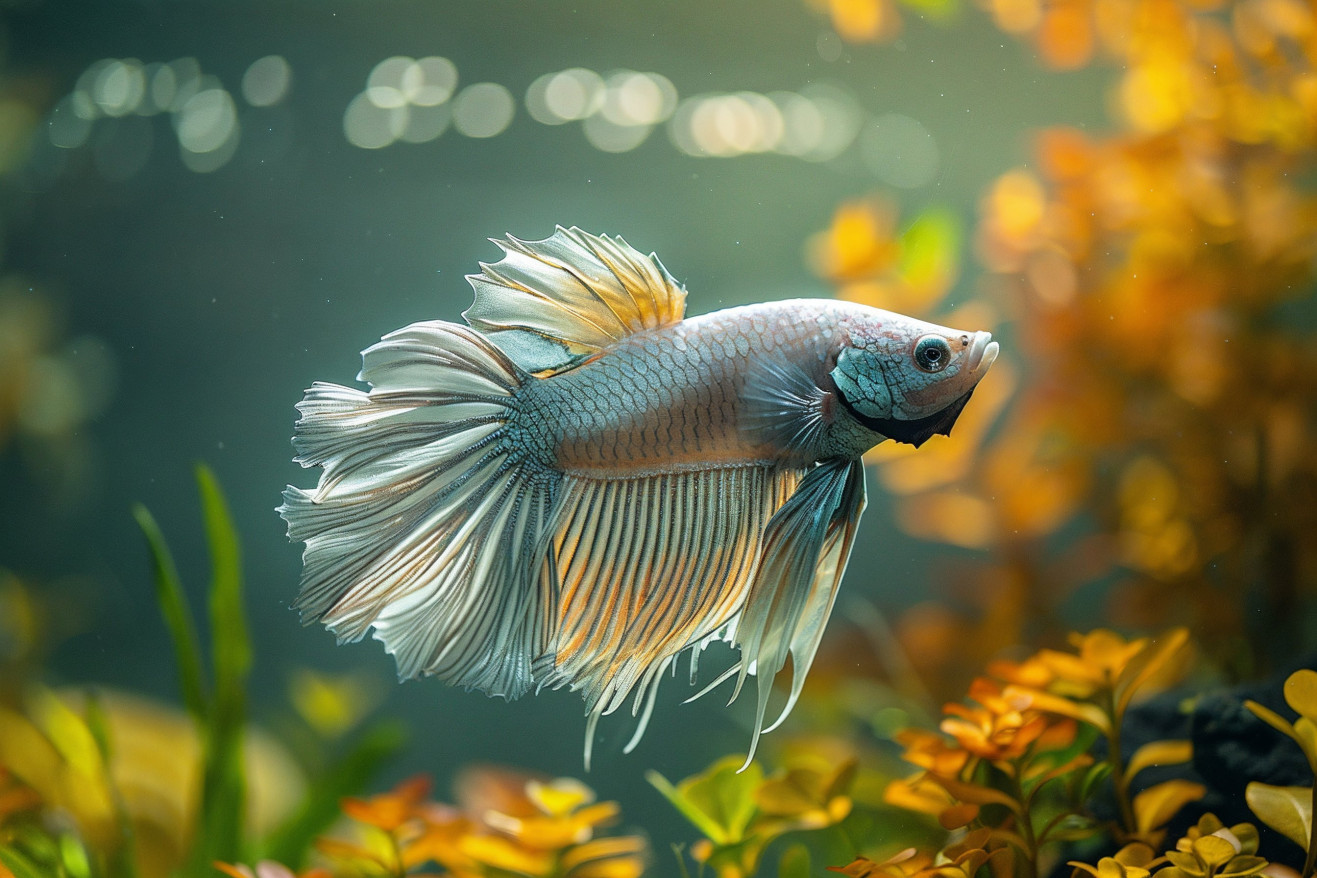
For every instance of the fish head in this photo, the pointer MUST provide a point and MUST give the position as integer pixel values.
(906, 379)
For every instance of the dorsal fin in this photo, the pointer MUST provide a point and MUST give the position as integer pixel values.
(547, 304)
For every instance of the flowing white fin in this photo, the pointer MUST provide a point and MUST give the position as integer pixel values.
(550, 303)
(805, 549)
(647, 567)
(426, 525)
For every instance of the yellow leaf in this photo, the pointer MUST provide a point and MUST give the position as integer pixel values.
(1301, 693)
(1288, 810)
(1159, 753)
(958, 815)
(1214, 851)
(1049, 703)
(504, 854)
(1154, 661)
(560, 797)
(1158, 804)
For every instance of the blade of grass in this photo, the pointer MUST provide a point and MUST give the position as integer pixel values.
(223, 796)
(177, 614)
(292, 841)
(121, 862)
(19, 864)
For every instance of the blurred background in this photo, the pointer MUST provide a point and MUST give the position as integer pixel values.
(206, 206)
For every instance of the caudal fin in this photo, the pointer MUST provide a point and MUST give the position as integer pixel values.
(427, 524)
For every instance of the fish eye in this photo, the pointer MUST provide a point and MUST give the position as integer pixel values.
(932, 353)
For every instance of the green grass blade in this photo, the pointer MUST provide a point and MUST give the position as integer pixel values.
(121, 862)
(228, 624)
(223, 795)
(292, 841)
(19, 864)
(177, 614)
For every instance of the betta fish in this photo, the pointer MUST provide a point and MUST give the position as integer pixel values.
(580, 484)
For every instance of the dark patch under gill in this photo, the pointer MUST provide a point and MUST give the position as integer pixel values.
(917, 431)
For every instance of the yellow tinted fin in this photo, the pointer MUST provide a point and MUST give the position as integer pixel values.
(647, 567)
(548, 304)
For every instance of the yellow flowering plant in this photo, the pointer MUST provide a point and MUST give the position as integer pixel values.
(1011, 764)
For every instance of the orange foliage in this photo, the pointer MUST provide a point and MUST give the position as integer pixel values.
(1158, 432)
(507, 822)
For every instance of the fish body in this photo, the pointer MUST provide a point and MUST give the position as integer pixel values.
(581, 484)
(692, 395)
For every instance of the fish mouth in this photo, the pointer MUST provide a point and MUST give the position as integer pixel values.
(982, 352)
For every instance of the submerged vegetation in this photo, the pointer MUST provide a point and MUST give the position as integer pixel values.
(1032, 768)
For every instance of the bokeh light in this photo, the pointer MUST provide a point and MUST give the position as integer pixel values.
(900, 151)
(370, 126)
(405, 99)
(267, 81)
(117, 87)
(565, 96)
(483, 110)
(817, 124)
(207, 127)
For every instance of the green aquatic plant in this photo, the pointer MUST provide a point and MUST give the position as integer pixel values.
(68, 758)
(741, 812)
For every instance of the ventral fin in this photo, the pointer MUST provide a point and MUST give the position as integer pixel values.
(806, 546)
(550, 304)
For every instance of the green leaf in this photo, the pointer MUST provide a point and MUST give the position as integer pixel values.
(291, 842)
(1288, 810)
(1301, 693)
(1095, 775)
(1159, 753)
(178, 616)
(936, 11)
(121, 862)
(701, 821)
(719, 802)
(19, 864)
(794, 863)
(232, 658)
(930, 247)
(223, 789)
(73, 857)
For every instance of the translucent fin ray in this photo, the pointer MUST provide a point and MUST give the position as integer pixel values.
(806, 546)
(646, 568)
(783, 404)
(426, 524)
(549, 303)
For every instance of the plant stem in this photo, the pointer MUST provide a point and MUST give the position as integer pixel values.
(1119, 782)
(1026, 826)
(1310, 862)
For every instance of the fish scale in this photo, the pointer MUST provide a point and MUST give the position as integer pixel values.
(669, 399)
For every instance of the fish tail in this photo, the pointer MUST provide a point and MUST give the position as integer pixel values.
(430, 523)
